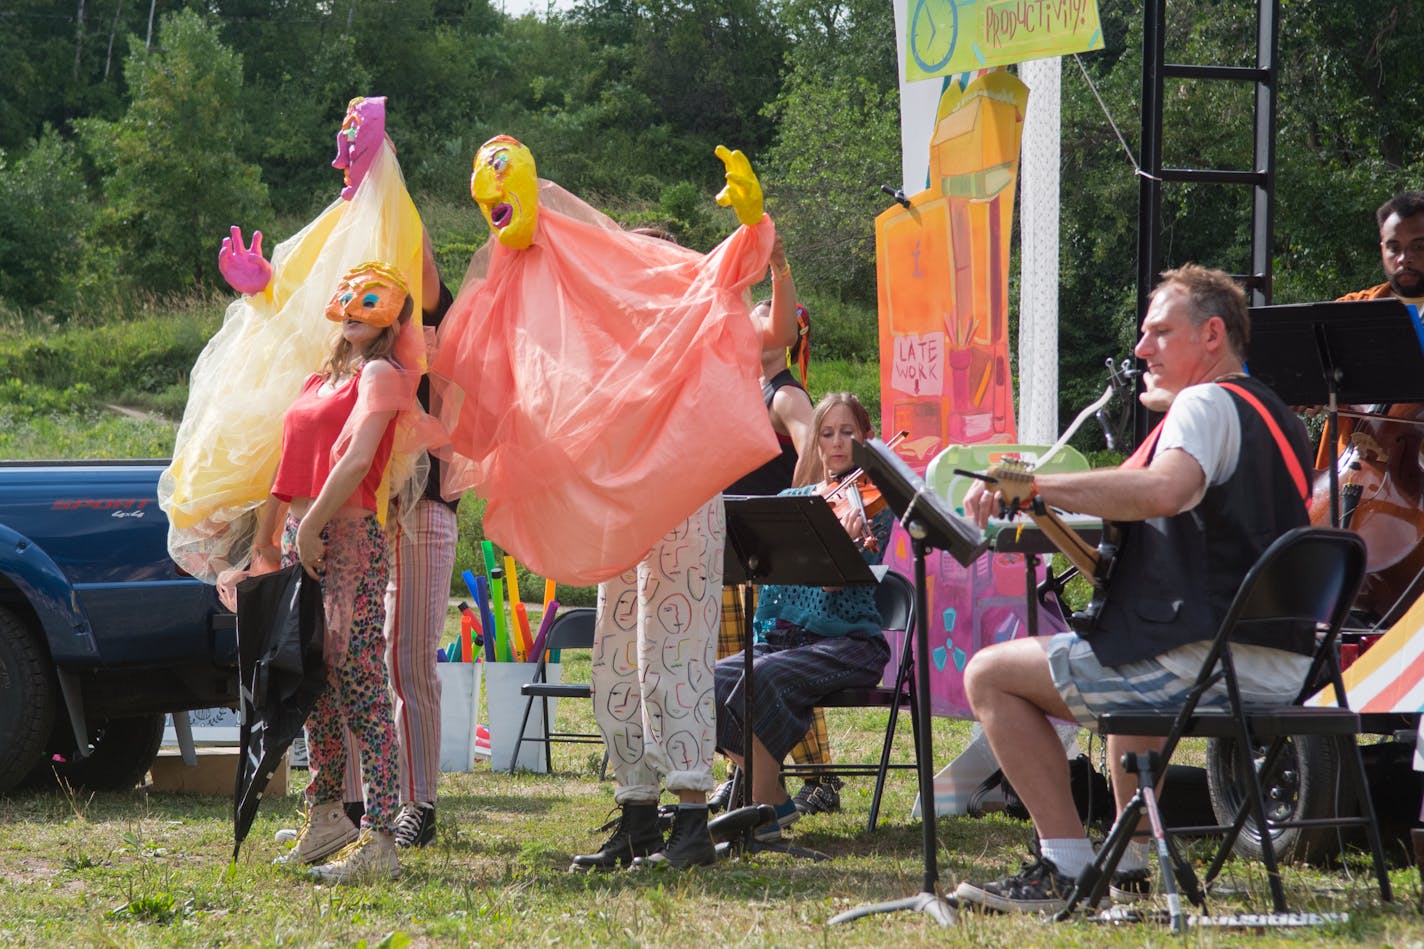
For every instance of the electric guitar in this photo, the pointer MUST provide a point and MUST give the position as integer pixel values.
(1014, 479)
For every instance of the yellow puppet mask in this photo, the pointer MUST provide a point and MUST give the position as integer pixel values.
(372, 292)
(506, 187)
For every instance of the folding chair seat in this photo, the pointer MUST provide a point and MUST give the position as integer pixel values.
(1308, 575)
(571, 629)
(895, 596)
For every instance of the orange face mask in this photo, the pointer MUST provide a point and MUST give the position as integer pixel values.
(372, 292)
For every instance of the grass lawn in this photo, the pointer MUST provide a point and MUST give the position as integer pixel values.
(152, 869)
(147, 868)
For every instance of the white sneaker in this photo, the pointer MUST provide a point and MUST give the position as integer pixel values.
(327, 830)
(372, 857)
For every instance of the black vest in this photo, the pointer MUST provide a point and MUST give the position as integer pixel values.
(1175, 577)
(774, 476)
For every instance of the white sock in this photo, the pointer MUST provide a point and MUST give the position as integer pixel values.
(1135, 857)
(1069, 854)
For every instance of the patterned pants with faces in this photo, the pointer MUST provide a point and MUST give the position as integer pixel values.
(653, 653)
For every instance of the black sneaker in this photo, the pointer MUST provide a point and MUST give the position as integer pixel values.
(1130, 886)
(1037, 888)
(690, 844)
(819, 797)
(721, 798)
(415, 824)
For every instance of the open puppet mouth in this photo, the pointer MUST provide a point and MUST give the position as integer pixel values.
(502, 214)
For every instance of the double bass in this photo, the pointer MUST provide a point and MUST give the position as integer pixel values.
(1381, 477)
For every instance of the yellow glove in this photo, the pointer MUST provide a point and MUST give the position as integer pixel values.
(743, 191)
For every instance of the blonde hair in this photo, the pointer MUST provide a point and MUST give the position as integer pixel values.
(345, 359)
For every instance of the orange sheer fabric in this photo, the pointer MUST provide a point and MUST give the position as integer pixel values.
(599, 386)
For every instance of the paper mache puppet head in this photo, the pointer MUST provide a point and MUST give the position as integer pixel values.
(372, 292)
(359, 141)
(506, 187)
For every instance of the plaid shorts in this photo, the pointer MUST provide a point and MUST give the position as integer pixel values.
(1090, 689)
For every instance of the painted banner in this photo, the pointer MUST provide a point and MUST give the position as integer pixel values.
(1388, 677)
(943, 272)
(944, 37)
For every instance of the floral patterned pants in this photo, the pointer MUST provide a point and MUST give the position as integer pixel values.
(357, 696)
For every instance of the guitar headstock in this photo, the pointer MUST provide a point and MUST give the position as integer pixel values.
(1014, 479)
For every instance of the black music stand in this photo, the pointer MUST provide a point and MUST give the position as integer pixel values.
(931, 525)
(1326, 353)
(791, 540)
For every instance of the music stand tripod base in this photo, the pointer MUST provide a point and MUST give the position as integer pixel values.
(939, 908)
(734, 833)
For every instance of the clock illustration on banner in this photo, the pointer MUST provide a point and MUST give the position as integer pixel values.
(934, 31)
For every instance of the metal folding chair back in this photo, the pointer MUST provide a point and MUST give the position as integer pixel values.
(572, 629)
(1308, 576)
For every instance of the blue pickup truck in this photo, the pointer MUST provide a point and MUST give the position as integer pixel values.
(101, 634)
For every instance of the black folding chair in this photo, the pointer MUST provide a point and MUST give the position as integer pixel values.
(1309, 575)
(895, 596)
(571, 629)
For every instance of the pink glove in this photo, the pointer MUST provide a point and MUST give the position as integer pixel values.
(243, 268)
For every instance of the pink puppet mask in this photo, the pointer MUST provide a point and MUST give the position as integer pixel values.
(359, 140)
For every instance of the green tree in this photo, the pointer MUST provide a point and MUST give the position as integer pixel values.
(1351, 95)
(43, 206)
(173, 179)
(62, 61)
(837, 141)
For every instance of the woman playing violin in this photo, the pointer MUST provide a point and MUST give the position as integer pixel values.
(810, 641)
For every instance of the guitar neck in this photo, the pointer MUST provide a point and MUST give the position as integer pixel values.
(1079, 553)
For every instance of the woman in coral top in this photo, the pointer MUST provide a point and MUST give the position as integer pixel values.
(332, 482)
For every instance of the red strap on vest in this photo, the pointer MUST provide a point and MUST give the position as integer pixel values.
(1143, 454)
(1302, 486)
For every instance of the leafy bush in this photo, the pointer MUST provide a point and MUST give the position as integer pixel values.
(24, 400)
(150, 354)
(43, 206)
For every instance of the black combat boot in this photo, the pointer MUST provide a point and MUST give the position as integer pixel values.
(635, 835)
(689, 844)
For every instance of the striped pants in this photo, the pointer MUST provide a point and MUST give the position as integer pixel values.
(654, 644)
(417, 601)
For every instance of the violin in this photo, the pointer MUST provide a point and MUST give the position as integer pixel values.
(853, 491)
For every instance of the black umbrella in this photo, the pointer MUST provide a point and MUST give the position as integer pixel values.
(280, 628)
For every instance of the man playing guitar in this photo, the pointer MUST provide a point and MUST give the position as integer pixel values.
(1221, 477)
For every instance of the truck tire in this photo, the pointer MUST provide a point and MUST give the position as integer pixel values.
(1306, 784)
(120, 753)
(27, 700)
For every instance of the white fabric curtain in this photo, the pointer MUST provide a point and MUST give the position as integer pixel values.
(1038, 259)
